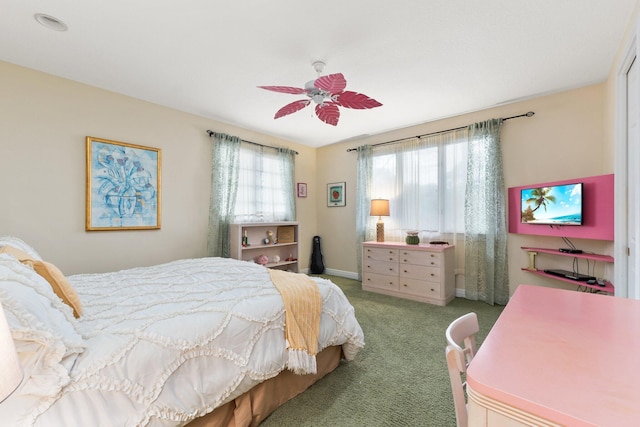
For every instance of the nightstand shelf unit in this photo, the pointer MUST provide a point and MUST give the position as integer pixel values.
(255, 233)
(608, 287)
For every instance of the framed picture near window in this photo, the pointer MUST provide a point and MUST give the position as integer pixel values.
(123, 186)
(336, 195)
(302, 189)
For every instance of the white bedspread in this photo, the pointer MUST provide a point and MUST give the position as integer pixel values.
(168, 343)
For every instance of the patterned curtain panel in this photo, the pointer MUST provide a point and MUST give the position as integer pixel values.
(287, 159)
(363, 201)
(486, 273)
(224, 186)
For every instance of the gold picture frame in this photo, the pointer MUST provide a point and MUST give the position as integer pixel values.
(123, 187)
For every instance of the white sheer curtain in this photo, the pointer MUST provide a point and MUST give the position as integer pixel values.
(265, 185)
(424, 180)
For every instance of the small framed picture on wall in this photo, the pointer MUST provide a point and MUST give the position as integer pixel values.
(302, 189)
(336, 195)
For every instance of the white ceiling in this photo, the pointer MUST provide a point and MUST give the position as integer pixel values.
(422, 59)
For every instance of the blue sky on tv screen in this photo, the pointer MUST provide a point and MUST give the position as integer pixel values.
(567, 205)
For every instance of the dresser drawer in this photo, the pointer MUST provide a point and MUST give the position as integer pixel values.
(420, 272)
(380, 267)
(380, 281)
(420, 288)
(380, 254)
(432, 259)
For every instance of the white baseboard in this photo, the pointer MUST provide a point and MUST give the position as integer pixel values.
(341, 273)
(460, 293)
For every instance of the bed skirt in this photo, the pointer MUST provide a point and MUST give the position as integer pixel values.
(254, 406)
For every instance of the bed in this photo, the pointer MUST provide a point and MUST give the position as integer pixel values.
(198, 342)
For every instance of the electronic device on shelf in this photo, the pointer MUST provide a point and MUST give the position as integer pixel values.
(569, 275)
(570, 251)
(552, 205)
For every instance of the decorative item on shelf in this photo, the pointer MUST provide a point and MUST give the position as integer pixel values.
(269, 240)
(275, 259)
(263, 260)
(379, 208)
(245, 239)
(291, 258)
(412, 237)
(286, 234)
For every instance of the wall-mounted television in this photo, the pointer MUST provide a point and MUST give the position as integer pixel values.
(552, 205)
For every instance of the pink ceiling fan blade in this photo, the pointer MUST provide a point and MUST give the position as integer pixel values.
(356, 101)
(292, 108)
(333, 83)
(284, 89)
(328, 112)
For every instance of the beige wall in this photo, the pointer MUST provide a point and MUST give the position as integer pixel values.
(44, 122)
(42, 166)
(563, 140)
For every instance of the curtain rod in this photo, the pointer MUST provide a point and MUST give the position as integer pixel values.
(210, 132)
(528, 114)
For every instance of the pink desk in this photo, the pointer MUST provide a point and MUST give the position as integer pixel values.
(557, 357)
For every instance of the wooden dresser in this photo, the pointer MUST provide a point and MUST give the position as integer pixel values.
(419, 272)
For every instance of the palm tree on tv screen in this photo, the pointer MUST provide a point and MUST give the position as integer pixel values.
(541, 197)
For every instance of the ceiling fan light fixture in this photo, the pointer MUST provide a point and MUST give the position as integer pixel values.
(318, 66)
(328, 93)
(50, 22)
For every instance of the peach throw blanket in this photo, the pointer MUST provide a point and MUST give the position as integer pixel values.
(303, 307)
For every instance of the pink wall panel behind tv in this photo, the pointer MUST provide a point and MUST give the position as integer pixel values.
(597, 210)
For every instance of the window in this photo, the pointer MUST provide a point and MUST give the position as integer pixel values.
(262, 186)
(424, 180)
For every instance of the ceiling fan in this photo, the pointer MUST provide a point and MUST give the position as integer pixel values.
(328, 93)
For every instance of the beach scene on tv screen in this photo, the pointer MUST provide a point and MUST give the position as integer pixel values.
(560, 205)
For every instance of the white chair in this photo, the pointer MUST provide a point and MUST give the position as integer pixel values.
(461, 347)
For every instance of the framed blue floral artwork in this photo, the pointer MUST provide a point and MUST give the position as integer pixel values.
(123, 186)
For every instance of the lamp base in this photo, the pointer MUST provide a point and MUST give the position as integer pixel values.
(380, 231)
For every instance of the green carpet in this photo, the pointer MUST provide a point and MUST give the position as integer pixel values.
(399, 378)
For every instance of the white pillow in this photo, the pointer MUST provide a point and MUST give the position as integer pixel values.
(19, 244)
(45, 336)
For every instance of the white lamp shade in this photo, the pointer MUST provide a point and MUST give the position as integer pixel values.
(10, 369)
(379, 207)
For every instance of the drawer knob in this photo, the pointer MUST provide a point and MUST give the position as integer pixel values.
(432, 255)
(404, 260)
(405, 271)
(432, 275)
(432, 290)
(390, 259)
(405, 285)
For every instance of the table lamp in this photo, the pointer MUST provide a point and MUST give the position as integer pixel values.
(379, 208)
(10, 369)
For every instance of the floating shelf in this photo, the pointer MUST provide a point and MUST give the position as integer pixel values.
(584, 255)
(608, 286)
